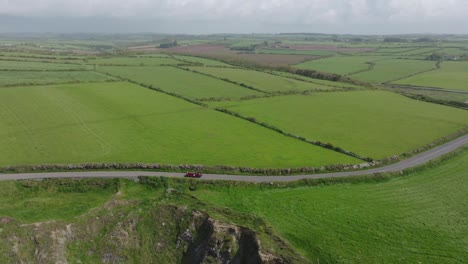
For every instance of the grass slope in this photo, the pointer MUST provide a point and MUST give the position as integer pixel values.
(421, 218)
(451, 75)
(121, 122)
(371, 123)
(260, 80)
(181, 82)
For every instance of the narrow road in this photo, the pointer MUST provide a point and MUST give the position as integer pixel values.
(405, 164)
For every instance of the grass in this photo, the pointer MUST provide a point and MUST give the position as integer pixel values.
(39, 66)
(370, 123)
(59, 200)
(49, 77)
(340, 65)
(389, 70)
(181, 82)
(318, 81)
(296, 52)
(260, 80)
(425, 51)
(135, 61)
(122, 122)
(451, 75)
(198, 60)
(420, 218)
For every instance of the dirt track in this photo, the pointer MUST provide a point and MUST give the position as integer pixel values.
(405, 164)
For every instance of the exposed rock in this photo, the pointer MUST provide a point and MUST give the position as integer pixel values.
(119, 233)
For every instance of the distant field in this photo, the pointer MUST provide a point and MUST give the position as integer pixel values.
(121, 122)
(203, 61)
(388, 70)
(318, 81)
(221, 52)
(181, 82)
(296, 52)
(394, 50)
(427, 51)
(260, 80)
(370, 123)
(49, 77)
(420, 218)
(27, 65)
(135, 61)
(341, 64)
(451, 75)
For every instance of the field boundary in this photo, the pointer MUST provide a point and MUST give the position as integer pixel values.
(435, 67)
(126, 170)
(151, 87)
(328, 146)
(222, 79)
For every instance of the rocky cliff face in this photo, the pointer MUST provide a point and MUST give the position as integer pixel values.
(122, 232)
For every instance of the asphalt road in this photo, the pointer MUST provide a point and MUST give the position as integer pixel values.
(405, 164)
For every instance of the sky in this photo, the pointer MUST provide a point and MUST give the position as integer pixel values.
(372, 17)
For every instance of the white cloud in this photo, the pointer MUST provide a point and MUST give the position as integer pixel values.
(344, 13)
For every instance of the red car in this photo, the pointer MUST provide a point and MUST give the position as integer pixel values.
(193, 175)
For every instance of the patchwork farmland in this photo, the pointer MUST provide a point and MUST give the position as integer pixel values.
(253, 106)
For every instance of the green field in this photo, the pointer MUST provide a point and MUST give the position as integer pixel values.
(318, 81)
(340, 65)
(122, 122)
(389, 70)
(181, 82)
(451, 75)
(206, 62)
(420, 51)
(135, 61)
(370, 123)
(39, 66)
(296, 52)
(49, 77)
(260, 80)
(421, 218)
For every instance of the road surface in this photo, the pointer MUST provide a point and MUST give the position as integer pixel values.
(405, 164)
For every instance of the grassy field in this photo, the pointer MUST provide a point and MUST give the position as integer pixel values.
(198, 60)
(260, 80)
(420, 218)
(54, 203)
(451, 75)
(121, 122)
(318, 81)
(181, 82)
(39, 66)
(340, 65)
(135, 61)
(34, 77)
(296, 52)
(370, 123)
(388, 70)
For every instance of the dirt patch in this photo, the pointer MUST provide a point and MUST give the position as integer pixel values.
(223, 53)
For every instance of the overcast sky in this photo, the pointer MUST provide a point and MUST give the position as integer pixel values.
(240, 16)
